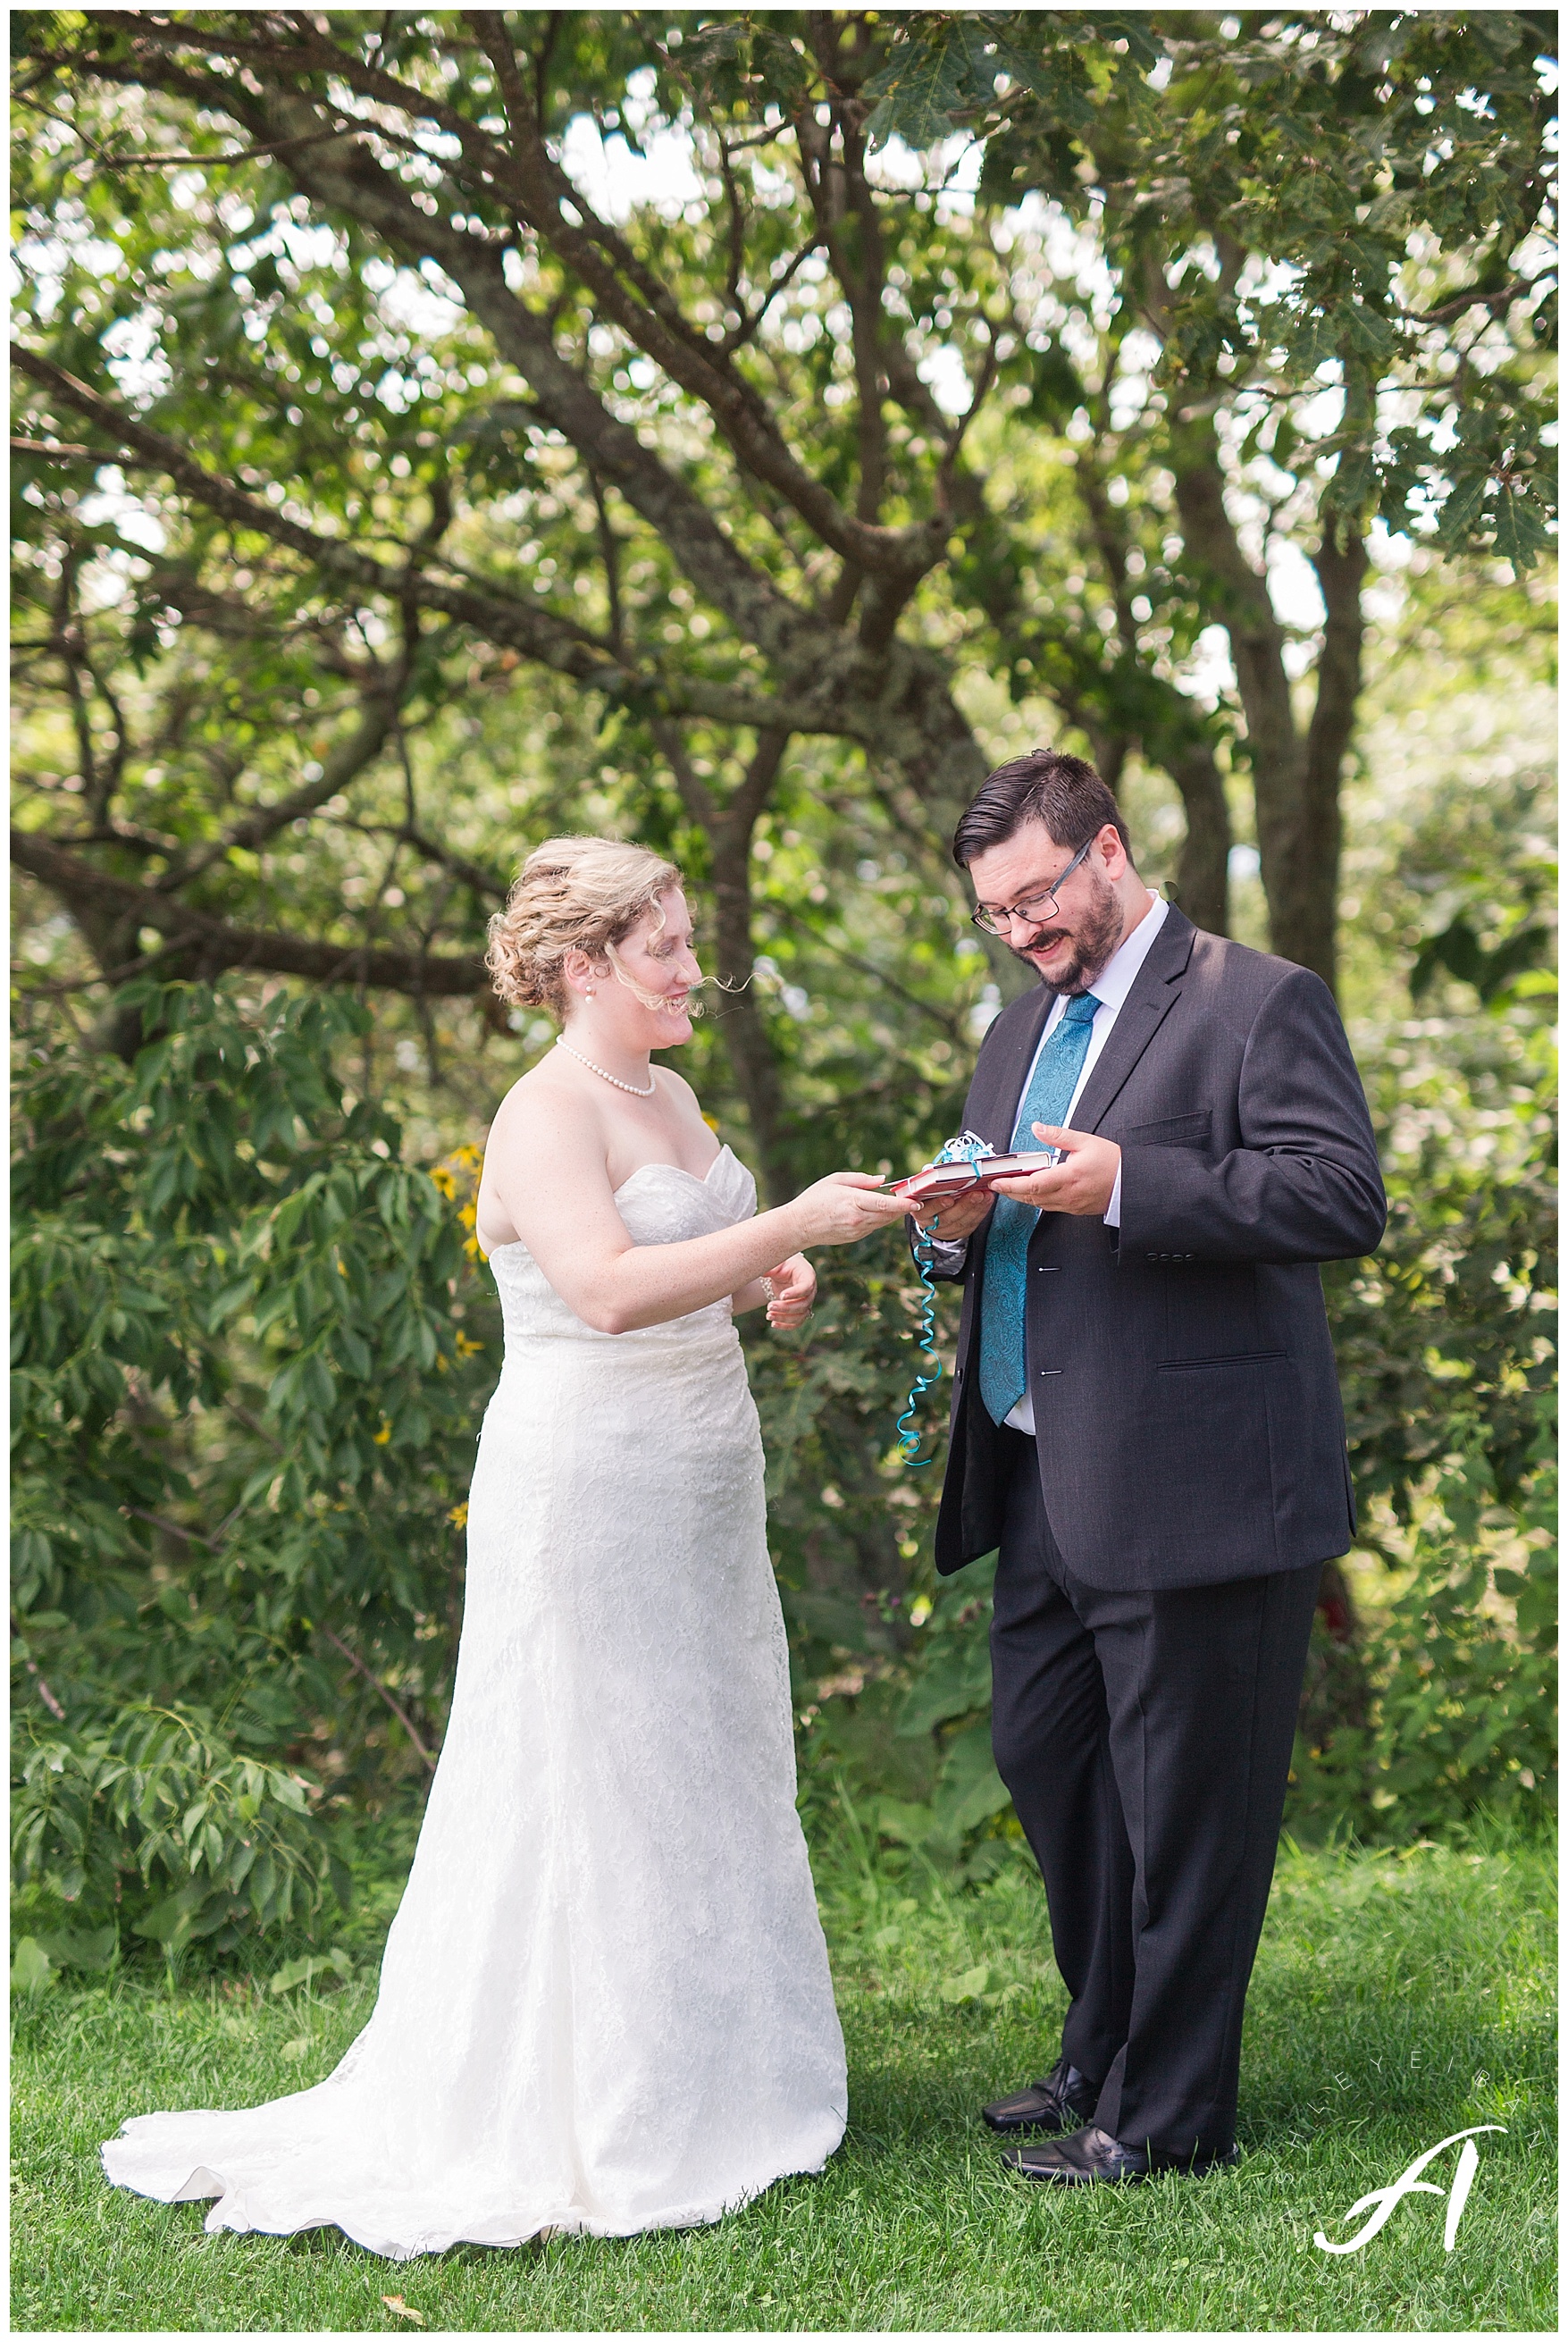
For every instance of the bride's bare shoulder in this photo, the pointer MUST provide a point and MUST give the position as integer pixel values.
(679, 1083)
(546, 1102)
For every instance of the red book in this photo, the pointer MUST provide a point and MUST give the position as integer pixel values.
(949, 1179)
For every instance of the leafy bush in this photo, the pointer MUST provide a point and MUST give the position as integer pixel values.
(1447, 1361)
(244, 1412)
(231, 1840)
(252, 1350)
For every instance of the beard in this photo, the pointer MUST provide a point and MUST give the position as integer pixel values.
(1091, 940)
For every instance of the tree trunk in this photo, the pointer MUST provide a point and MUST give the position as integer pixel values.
(1202, 874)
(729, 829)
(1296, 779)
(739, 1014)
(1307, 929)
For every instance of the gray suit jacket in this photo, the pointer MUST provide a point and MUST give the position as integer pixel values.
(1187, 1414)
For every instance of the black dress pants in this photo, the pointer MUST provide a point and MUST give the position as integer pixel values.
(1146, 1741)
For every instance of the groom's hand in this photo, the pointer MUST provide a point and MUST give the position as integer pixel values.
(1082, 1182)
(958, 1217)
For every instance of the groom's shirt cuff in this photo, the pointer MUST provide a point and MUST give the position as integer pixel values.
(949, 1255)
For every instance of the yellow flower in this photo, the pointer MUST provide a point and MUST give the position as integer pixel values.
(467, 1348)
(458, 1515)
(385, 1433)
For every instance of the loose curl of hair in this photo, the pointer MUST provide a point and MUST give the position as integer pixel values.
(573, 894)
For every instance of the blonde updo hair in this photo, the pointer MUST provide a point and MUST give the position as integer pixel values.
(573, 894)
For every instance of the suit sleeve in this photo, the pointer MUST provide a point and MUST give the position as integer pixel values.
(1304, 1184)
(948, 1261)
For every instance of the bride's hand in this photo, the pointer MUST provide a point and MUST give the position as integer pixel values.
(792, 1289)
(843, 1207)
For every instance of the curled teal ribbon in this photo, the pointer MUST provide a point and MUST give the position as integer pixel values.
(908, 1435)
(964, 1149)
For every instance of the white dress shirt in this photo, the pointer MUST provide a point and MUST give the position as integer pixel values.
(1110, 988)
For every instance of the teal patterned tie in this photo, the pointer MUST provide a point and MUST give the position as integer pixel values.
(1003, 1367)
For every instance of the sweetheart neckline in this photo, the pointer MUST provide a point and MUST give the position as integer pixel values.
(701, 1177)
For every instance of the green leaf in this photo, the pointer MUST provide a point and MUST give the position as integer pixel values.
(1519, 530)
(169, 1921)
(32, 1971)
(970, 1789)
(295, 1973)
(905, 1824)
(1462, 509)
(91, 1949)
(926, 81)
(957, 1679)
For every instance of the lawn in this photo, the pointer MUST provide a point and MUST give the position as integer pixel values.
(1398, 1998)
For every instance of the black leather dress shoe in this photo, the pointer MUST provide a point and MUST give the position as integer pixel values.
(1092, 2155)
(1064, 2097)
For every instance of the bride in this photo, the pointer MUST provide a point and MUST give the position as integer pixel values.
(605, 2002)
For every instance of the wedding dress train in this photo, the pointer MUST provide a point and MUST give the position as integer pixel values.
(605, 2003)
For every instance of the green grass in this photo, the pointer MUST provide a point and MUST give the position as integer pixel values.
(1397, 1998)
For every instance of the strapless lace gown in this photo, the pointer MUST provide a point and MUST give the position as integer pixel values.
(605, 2003)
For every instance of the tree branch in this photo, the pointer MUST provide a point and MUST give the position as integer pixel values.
(378, 713)
(602, 259)
(1257, 641)
(1341, 570)
(377, 1685)
(214, 945)
(530, 183)
(553, 642)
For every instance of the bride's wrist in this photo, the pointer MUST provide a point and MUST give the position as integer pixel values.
(792, 1229)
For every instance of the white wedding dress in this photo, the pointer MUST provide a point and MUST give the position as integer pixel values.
(605, 2003)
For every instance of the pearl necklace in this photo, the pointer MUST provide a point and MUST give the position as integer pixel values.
(630, 1087)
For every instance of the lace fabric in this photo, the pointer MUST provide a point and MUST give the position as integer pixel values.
(605, 2003)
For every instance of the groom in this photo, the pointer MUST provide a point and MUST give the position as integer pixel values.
(1147, 1427)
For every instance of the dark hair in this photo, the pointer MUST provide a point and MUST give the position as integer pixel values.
(1064, 791)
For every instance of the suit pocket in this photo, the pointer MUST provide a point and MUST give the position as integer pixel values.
(1211, 1314)
(1215, 1464)
(1174, 1130)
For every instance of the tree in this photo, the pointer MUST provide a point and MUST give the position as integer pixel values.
(1327, 243)
(724, 425)
(790, 605)
(358, 434)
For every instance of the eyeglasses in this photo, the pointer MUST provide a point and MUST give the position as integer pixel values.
(1037, 909)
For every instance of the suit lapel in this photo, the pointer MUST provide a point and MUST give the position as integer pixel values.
(1156, 988)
